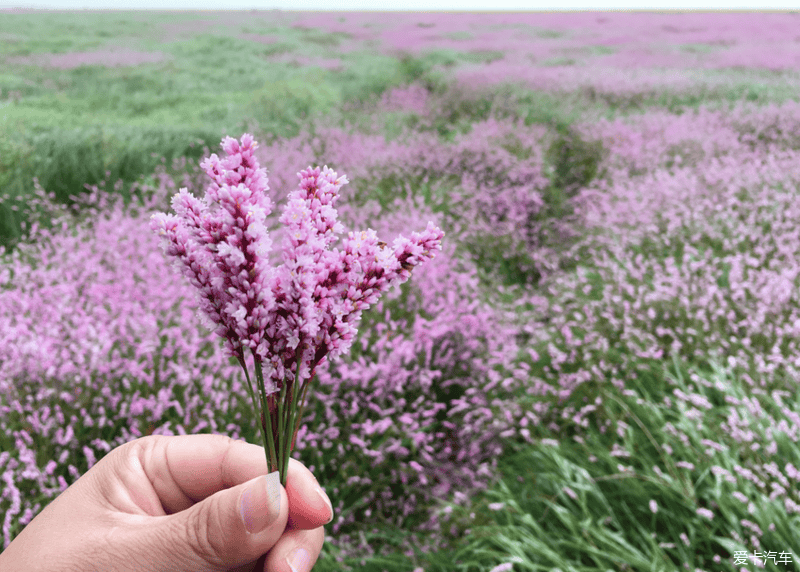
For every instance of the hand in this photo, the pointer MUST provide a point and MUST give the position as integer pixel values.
(175, 504)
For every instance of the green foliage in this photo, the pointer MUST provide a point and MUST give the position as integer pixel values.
(55, 33)
(283, 106)
(322, 38)
(162, 108)
(609, 523)
(65, 161)
(549, 34)
(700, 48)
(369, 80)
(498, 259)
(370, 75)
(574, 164)
(483, 57)
(462, 107)
(557, 62)
(718, 89)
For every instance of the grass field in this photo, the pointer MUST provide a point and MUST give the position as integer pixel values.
(598, 372)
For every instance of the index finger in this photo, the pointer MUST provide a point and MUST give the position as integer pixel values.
(185, 469)
(309, 506)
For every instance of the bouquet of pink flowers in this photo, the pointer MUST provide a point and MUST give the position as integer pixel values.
(294, 316)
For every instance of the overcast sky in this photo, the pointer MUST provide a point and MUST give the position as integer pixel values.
(414, 5)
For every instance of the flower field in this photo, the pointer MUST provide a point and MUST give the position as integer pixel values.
(597, 371)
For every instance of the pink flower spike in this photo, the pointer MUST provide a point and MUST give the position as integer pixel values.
(297, 315)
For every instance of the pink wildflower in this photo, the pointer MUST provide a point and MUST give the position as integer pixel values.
(295, 316)
(704, 512)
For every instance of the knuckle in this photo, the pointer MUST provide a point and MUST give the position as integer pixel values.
(141, 448)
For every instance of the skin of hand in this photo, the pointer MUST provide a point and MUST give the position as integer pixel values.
(175, 504)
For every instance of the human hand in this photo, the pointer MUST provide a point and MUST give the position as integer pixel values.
(174, 504)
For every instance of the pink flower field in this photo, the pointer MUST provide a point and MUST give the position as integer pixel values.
(597, 371)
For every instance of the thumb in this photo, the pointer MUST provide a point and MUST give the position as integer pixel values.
(230, 528)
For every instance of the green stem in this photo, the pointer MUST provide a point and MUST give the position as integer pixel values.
(302, 406)
(269, 440)
(240, 357)
(281, 434)
(290, 420)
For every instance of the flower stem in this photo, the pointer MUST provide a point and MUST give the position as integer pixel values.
(290, 418)
(282, 433)
(302, 407)
(269, 440)
(256, 407)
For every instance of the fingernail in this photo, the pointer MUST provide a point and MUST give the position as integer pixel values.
(299, 560)
(260, 504)
(327, 501)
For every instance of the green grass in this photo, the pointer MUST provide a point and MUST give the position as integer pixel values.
(70, 127)
(67, 127)
(562, 511)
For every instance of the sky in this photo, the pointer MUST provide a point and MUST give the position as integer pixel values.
(403, 5)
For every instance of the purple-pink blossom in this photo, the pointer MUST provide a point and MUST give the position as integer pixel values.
(293, 316)
(308, 307)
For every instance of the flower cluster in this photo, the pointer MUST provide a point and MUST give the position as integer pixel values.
(220, 250)
(326, 290)
(294, 316)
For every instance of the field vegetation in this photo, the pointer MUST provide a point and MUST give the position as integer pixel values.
(596, 373)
